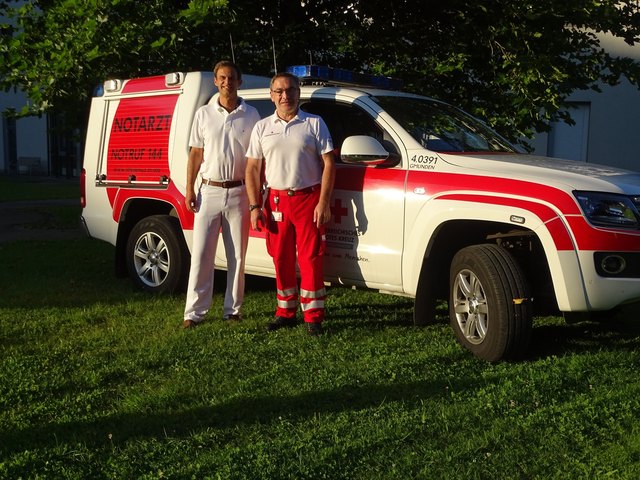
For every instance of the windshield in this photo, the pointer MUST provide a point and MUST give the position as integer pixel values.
(442, 128)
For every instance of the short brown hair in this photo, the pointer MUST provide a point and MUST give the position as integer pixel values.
(227, 63)
(295, 80)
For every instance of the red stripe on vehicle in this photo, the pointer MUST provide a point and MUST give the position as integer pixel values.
(147, 84)
(118, 197)
(586, 236)
(561, 237)
(258, 234)
(435, 183)
(356, 177)
(603, 239)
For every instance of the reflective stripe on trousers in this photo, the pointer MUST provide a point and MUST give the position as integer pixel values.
(297, 233)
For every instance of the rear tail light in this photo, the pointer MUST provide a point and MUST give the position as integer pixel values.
(83, 188)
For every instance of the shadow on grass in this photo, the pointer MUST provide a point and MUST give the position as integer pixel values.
(116, 430)
(78, 273)
(112, 431)
(374, 310)
(376, 315)
(584, 337)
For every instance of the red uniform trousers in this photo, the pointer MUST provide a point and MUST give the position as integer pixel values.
(296, 231)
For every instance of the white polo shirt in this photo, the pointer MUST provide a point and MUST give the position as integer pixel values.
(291, 150)
(225, 137)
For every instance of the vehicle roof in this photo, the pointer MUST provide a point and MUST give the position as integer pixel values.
(351, 91)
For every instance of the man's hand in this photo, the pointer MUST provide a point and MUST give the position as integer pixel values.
(257, 219)
(191, 202)
(321, 214)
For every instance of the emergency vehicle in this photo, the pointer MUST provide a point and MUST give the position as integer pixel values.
(429, 203)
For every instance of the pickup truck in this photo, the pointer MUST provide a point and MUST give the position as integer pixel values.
(429, 203)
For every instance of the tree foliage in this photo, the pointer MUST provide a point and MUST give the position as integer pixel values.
(511, 63)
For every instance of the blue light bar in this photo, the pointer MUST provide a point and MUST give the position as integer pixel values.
(339, 76)
(315, 71)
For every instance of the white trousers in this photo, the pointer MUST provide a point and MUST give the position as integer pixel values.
(226, 209)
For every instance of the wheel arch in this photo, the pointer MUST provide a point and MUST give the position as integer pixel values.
(452, 236)
(134, 210)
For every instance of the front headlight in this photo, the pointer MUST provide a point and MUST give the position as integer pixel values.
(609, 210)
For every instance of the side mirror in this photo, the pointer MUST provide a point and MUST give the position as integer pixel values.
(365, 150)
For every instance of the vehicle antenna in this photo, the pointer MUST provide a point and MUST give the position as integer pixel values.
(233, 56)
(273, 46)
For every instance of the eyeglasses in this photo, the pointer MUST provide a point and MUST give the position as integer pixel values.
(289, 91)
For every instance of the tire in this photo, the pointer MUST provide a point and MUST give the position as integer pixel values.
(489, 303)
(157, 256)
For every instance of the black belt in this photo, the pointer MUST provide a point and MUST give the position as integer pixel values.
(291, 192)
(226, 184)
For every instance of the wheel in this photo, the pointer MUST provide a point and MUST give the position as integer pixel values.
(489, 303)
(157, 256)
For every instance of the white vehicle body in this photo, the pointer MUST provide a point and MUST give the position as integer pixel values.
(408, 219)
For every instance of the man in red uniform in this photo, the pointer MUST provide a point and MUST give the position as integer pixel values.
(299, 169)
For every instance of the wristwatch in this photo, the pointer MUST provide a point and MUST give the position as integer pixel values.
(253, 207)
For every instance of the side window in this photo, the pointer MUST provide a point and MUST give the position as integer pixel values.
(345, 120)
(264, 107)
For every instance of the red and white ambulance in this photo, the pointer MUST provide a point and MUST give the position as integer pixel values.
(428, 203)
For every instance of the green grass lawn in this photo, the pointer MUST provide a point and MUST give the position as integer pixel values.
(17, 188)
(99, 381)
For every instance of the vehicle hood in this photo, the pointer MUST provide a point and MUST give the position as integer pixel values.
(569, 174)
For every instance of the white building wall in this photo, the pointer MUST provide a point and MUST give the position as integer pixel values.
(611, 124)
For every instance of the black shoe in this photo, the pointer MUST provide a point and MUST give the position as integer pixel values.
(281, 322)
(233, 317)
(314, 329)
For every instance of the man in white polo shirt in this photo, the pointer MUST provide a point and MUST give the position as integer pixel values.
(299, 169)
(219, 138)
